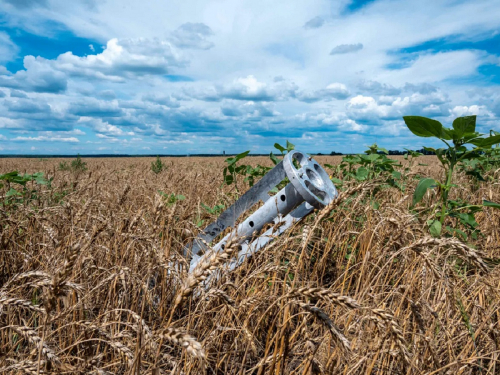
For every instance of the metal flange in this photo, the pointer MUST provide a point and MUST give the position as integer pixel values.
(309, 179)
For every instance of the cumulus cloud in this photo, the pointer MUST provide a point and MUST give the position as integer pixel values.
(91, 107)
(46, 139)
(314, 23)
(496, 107)
(124, 58)
(192, 35)
(249, 109)
(101, 127)
(463, 110)
(17, 94)
(367, 109)
(121, 59)
(38, 76)
(246, 88)
(346, 48)
(333, 91)
(165, 100)
(107, 94)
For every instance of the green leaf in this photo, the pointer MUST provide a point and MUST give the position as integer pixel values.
(464, 125)
(279, 147)
(425, 127)
(468, 219)
(370, 158)
(435, 228)
(486, 142)
(290, 146)
(274, 159)
(181, 197)
(491, 204)
(396, 175)
(421, 189)
(361, 174)
(329, 166)
(12, 192)
(241, 156)
(228, 179)
(336, 181)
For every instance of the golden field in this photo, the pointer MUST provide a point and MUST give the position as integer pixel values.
(92, 279)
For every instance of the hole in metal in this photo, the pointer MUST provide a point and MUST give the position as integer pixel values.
(300, 158)
(315, 178)
(283, 198)
(313, 189)
(251, 224)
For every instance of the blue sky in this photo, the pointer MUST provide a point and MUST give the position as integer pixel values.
(201, 76)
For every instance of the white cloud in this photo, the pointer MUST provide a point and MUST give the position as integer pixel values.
(8, 50)
(332, 91)
(192, 35)
(46, 139)
(251, 70)
(346, 48)
(101, 127)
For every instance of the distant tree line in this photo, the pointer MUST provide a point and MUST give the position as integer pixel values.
(391, 152)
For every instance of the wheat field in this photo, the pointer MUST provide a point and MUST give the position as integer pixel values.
(93, 280)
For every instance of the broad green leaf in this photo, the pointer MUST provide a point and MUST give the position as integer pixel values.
(336, 180)
(279, 147)
(290, 146)
(421, 189)
(361, 174)
(486, 142)
(181, 197)
(228, 179)
(370, 158)
(329, 166)
(396, 175)
(491, 204)
(242, 155)
(435, 228)
(425, 127)
(464, 125)
(12, 192)
(469, 219)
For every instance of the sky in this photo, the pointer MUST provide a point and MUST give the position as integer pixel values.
(207, 76)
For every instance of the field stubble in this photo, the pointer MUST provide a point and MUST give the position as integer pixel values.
(97, 284)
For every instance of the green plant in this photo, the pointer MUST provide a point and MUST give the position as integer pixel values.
(250, 173)
(455, 139)
(216, 210)
(17, 189)
(172, 198)
(157, 166)
(78, 165)
(374, 163)
(232, 170)
(64, 166)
